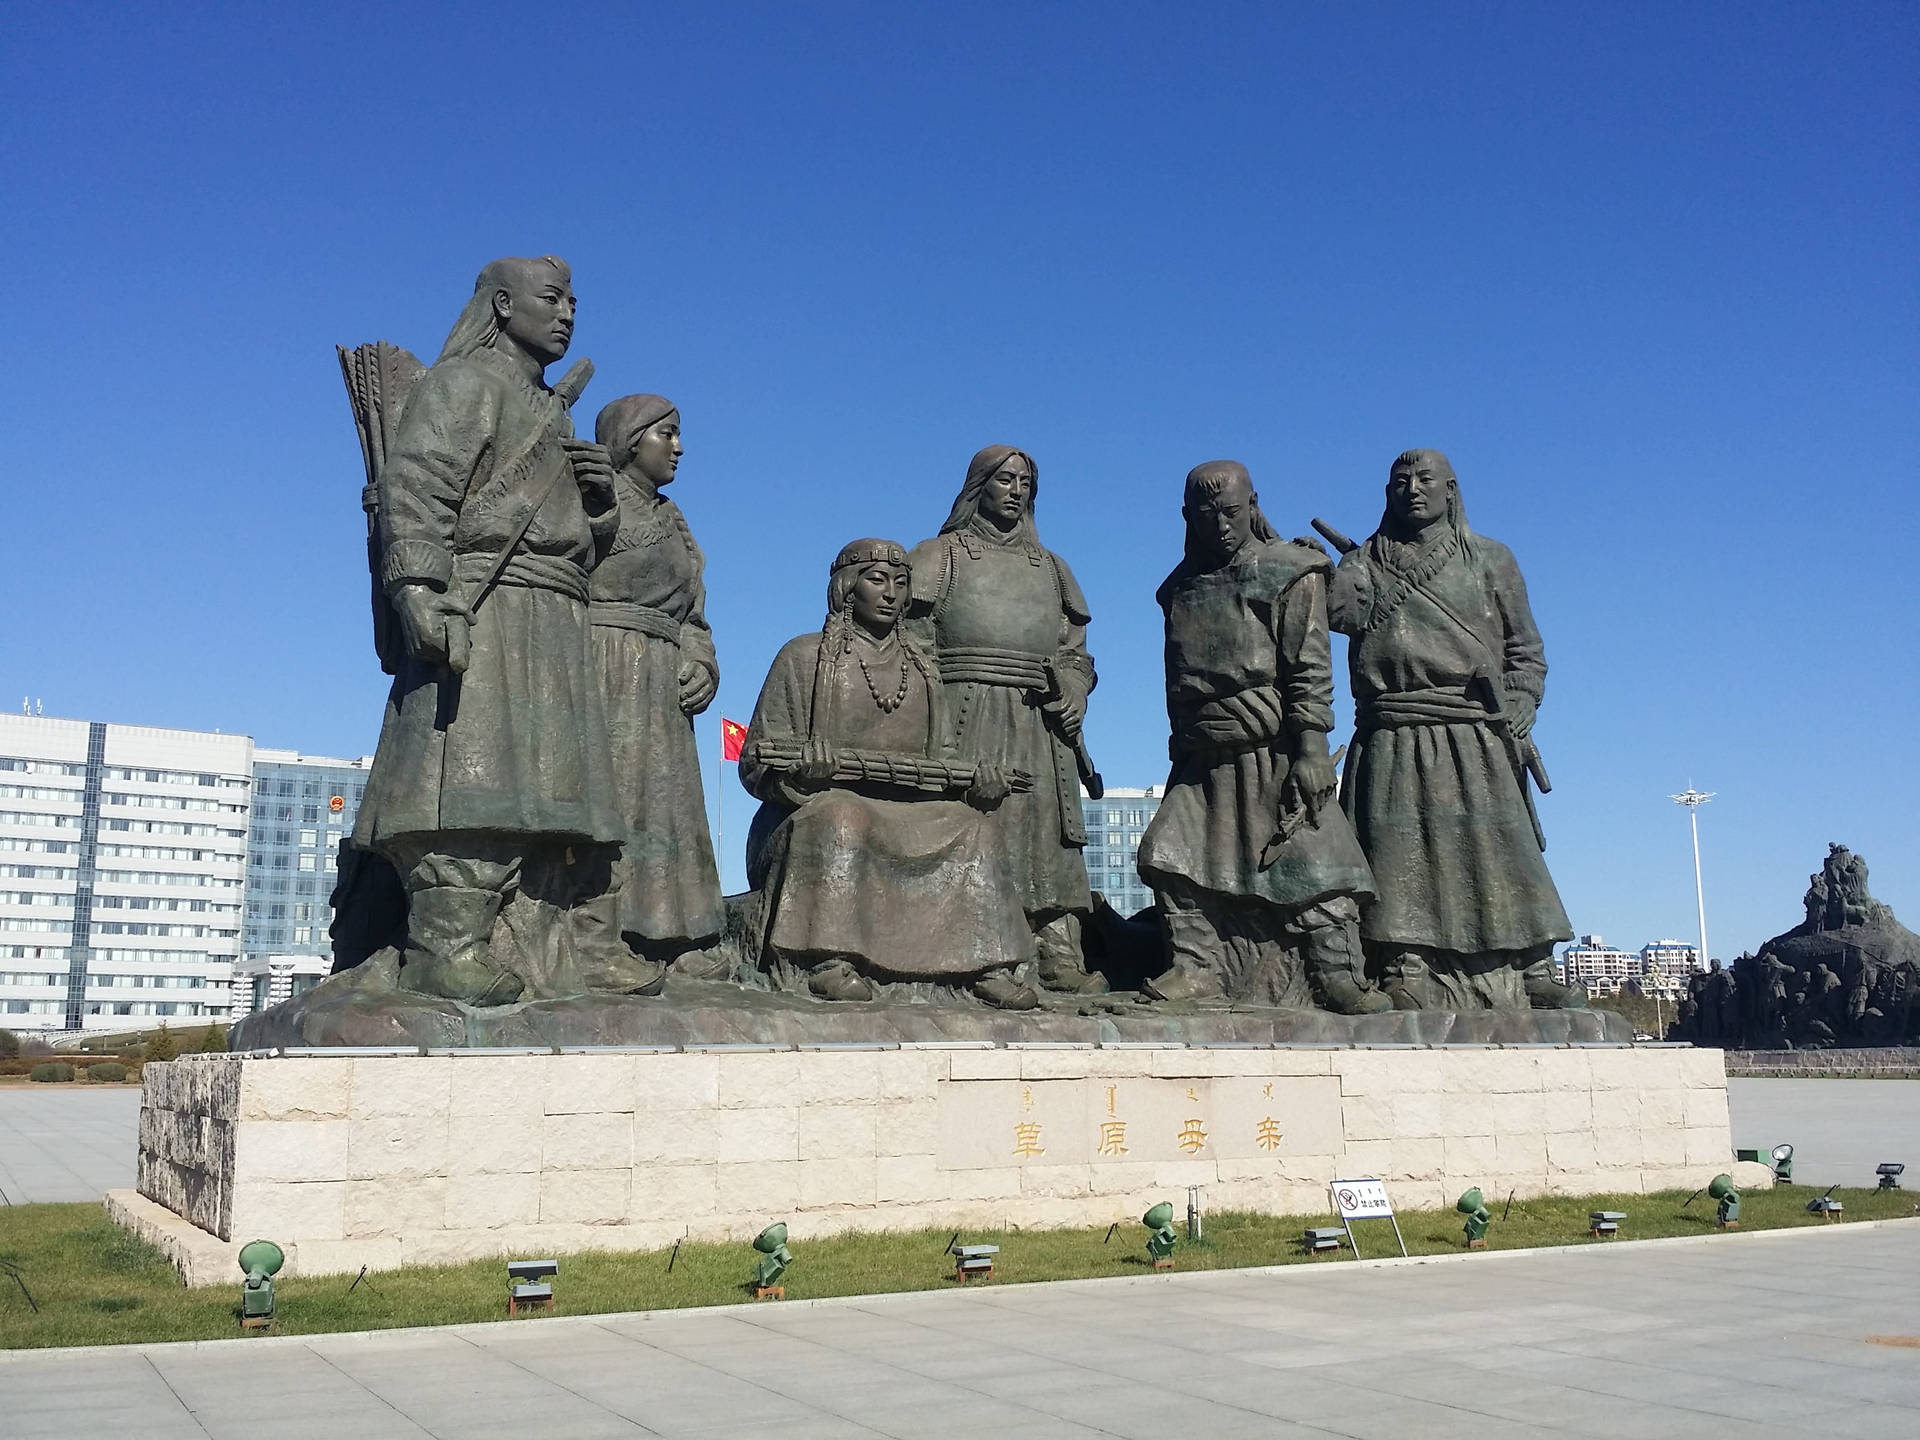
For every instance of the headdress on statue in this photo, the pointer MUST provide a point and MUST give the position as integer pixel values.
(854, 558)
(622, 422)
(478, 327)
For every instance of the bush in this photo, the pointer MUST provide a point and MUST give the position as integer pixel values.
(9, 1045)
(214, 1042)
(51, 1072)
(110, 1071)
(161, 1045)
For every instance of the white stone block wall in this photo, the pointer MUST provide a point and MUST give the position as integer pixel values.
(351, 1160)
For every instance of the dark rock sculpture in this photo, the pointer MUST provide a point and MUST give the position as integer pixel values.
(1007, 625)
(653, 655)
(1847, 975)
(1255, 869)
(1447, 670)
(869, 874)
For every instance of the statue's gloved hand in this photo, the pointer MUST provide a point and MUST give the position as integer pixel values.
(1246, 717)
(593, 473)
(697, 687)
(990, 786)
(1311, 781)
(1520, 708)
(1067, 712)
(434, 625)
(1311, 542)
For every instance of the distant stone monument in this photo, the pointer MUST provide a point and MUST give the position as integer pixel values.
(1846, 975)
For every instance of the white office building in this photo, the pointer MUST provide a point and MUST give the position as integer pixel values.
(122, 866)
(1115, 824)
(263, 980)
(1666, 966)
(303, 806)
(1597, 967)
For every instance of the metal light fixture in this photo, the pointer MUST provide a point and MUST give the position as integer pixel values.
(973, 1262)
(1890, 1174)
(530, 1285)
(1161, 1236)
(774, 1260)
(1604, 1224)
(261, 1259)
(1473, 1205)
(1782, 1163)
(1322, 1239)
(1721, 1189)
(1825, 1206)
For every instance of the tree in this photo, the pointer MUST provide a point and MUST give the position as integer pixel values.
(214, 1042)
(161, 1045)
(9, 1045)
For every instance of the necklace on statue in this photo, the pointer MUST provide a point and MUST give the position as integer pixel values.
(887, 703)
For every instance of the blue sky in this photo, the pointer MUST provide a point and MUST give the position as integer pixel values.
(1646, 272)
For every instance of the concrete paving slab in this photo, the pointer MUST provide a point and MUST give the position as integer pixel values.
(67, 1142)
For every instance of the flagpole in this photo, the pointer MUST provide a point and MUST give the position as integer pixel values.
(720, 800)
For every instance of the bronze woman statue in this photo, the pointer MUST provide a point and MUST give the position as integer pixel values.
(868, 873)
(1008, 626)
(1447, 670)
(653, 657)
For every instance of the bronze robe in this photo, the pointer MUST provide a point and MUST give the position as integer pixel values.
(1433, 794)
(1257, 623)
(517, 745)
(997, 615)
(648, 612)
(904, 886)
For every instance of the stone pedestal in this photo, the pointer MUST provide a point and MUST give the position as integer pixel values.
(389, 1159)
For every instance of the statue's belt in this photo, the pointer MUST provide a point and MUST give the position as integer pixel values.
(1437, 705)
(987, 665)
(532, 572)
(631, 615)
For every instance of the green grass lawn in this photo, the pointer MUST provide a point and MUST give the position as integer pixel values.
(97, 1284)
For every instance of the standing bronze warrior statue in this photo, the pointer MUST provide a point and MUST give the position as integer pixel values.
(1257, 874)
(1007, 625)
(653, 656)
(489, 791)
(1447, 671)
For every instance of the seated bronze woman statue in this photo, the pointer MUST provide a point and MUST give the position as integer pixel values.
(871, 872)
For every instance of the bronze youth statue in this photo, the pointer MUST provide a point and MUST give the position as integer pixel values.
(489, 791)
(653, 655)
(1255, 869)
(1447, 671)
(868, 873)
(1008, 627)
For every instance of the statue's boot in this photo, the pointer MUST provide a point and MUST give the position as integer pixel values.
(1002, 990)
(1063, 966)
(1546, 993)
(838, 980)
(1410, 985)
(626, 974)
(1185, 981)
(1336, 969)
(448, 950)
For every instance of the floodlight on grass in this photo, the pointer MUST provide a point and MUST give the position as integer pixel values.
(1825, 1206)
(1890, 1174)
(973, 1262)
(530, 1285)
(1322, 1239)
(1721, 1189)
(1782, 1163)
(1604, 1224)
(772, 1264)
(1161, 1236)
(1473, 1205)
(261, 1259)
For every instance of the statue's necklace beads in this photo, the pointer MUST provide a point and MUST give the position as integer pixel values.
(887, 704)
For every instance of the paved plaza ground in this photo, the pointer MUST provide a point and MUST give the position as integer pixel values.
(1758, 1335)
(66, 1142)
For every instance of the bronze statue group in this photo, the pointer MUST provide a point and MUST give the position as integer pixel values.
(536, 807)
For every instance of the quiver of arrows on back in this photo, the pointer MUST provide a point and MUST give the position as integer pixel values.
(379, 377)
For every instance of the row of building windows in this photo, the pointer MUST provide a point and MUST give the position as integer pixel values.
(43, 847)
(25, 977)
(311, 789)
(177, 777)
(39, 872)
(40, 767)
(118, 1007)
(165, 802)
(32, 952)
(309, 862)
(308, 838)
(168, 852)
(38, 792)
(149, 982)
(168, 877)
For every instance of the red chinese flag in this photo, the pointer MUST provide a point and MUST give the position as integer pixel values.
(732, 736)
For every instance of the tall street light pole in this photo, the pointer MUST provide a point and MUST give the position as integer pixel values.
(1693, 799)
